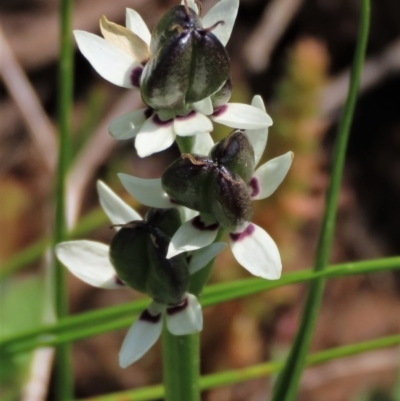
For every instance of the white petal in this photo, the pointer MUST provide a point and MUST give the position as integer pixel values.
(202, 257)
(88, 260)
(224, 10)
(191, 124)
(112, 63)
(149, 192)
(204, 106)
(258, 137)
(241, 116)
(202, 143)
(192, 235)
(192, 4)
(128, 125)
(141, 336)
(186, 318)
(154, 136)
(186, 213)
(125, 39)
(270, 175)
(257, 252)
(116, 209)
(135, 23)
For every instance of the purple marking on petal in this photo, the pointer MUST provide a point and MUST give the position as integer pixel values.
(187, 117)
(157, 120)
(135, 76)
(118, 281)
(178, 308)
(148, 112)
(201, 226)
(255, 187)
(146, 316)
(240, 236)
(220, 110)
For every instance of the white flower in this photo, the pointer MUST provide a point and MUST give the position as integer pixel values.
(156, 131)
(253, 248)
(120, 56)
(89, 261)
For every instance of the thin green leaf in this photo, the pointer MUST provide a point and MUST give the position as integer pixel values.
(254, 372)
(288, 381)
(92, 323)
(65, 98)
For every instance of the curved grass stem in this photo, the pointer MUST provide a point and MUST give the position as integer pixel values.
(287, 384)
(63, 382)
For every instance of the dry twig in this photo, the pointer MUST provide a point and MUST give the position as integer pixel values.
(37, 386)
(35, 36)
(376, 69)
(360, 365)
(94, 153)
(24, 96)
(274, 22)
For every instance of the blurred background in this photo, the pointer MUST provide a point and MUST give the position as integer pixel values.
(297, 55)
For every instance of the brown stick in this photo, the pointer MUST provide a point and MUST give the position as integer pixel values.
(24, 96)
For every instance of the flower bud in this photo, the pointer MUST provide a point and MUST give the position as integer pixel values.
(138, 253)
(167, 220)
(236, 154)
(186, 181)
(187, 62)
(230, 200)
(216, 185)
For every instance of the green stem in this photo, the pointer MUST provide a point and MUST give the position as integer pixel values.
(181, 364)
(287, 385)
(181, 354)
(185, 143)
(64, 386)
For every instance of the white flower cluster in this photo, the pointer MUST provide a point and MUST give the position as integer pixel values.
(120, 57)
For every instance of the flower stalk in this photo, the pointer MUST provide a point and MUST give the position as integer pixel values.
(182, 71)
(181, 354)
(181, 366)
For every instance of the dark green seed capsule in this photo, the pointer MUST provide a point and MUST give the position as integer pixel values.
(231, 203)
(186, 181)
(207, 185)
(187, 62)
(138, 253)
(127, 255)
(236, 154)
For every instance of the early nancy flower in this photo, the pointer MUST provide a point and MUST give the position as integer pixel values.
(221, 187)
(182, 71)
(187, 61)
(154, 132)
(136, 258)
(123, 53)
